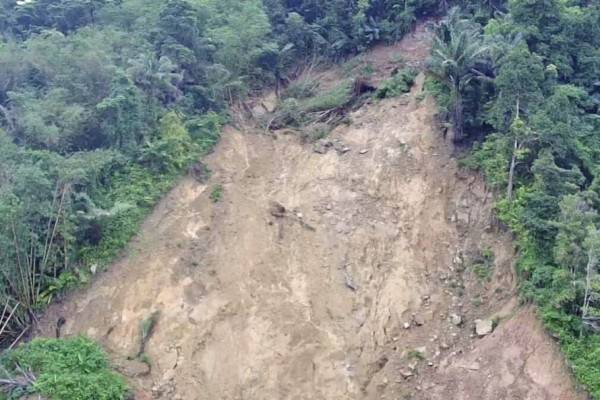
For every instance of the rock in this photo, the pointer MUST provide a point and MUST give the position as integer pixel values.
(472, 367)
(340, 147)
(168, 376)
(484, 327)
(418, 319)
(405, 373)
(322, 146)
(142, 395)
(463, 216)
(456, 319)
(406, 325)
(342, 227)
(276, 209)
(363, 151)
(132, 368)
(320, 149)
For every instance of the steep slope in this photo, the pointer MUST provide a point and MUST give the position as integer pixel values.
(362, 288)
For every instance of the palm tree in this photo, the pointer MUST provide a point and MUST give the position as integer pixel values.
(457, 50)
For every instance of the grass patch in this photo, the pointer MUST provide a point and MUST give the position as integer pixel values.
(398, 84)
(415, 355)
(483, 264)
(328, 100)
(327, 107)
(72, 369)
(216, 194)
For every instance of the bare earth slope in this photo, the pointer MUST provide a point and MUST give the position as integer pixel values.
(348, 295)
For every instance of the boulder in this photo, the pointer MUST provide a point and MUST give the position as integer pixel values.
(484, 327)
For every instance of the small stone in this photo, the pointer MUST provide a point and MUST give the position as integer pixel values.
(456, 319)
(406, 325)
(319, 148)
(484, 327)
(406, 373)
(276, 209)
(132, 368)
(418, 319)
(142, 395)
(474, 366)
(363, 151)
(444, 346)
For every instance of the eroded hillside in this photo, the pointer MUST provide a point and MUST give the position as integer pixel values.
(365, 285)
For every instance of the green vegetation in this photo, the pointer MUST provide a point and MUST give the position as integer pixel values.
(60, 370)
(146, 329)
(483, 264)
(320, 109)
(522, 85)
(415, 355)
(216, 193)
(398, 84)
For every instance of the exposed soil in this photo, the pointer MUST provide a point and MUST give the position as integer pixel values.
(325, 276)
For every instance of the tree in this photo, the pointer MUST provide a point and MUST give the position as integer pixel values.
(576, 217)
(590, 311)
(518, 84)
(457, 51)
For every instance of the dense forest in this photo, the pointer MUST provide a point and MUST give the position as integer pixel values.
(523, 88)
(104, 103)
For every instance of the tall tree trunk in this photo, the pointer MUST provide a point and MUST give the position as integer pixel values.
(513, 160)
(458, 117)
(511, 173)
(588, 283)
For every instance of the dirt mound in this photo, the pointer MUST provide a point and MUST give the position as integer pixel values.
(343, 275)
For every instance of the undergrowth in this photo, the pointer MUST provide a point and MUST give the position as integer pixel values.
(71, 369)
(398, 84)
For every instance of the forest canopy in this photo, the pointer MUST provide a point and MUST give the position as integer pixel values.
(521, 86)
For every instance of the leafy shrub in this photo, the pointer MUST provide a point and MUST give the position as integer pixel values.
(301, 89)
(440, 93)
(329, 100)
(301, 112)
(71, 369)
(398, 84)
(216, 193)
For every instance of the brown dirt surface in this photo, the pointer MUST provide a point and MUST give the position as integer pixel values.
(352, 290)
